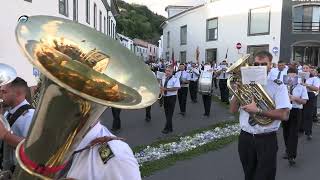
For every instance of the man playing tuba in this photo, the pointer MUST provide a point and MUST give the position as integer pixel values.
(259, 162)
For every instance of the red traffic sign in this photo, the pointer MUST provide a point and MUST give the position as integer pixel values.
(239, 46)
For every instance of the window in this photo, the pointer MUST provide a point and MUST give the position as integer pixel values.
(253, 49)
(104, 24)
(94, 15)
(183, 56)
(28, 0)
(183, 35)
(167, 56)
(259, 21)
(75, 10)
(212, 29)
(63, 7)
(168, 39)
(211, 55)
(100, 21)
(88, 11)
(306, 18)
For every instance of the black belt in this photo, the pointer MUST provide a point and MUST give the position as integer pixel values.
(259, 135)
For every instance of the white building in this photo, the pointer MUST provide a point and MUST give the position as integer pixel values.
(126, 42)
(141, 49)
(98, 14)
(217, 26)
(152, 52)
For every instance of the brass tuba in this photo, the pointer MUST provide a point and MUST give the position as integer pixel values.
(246, 92)
(84, 72)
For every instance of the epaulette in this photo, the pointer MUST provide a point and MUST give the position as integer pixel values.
(105, 152)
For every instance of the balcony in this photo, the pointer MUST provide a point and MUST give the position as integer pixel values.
(307, 27)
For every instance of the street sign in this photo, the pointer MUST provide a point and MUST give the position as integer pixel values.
(275, 50)
(36, 72)
(239, 46)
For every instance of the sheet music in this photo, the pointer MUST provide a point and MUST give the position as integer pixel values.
(254, 74)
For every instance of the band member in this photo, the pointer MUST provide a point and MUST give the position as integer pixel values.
(223, 76)
(215, 68)
(207, 99)
(258, 144)
(314, 73)
(184, 78)
(19, 117)
(276, 74)
(312, 84)
(101, 155)
(169, 88)
(194, 82)
(298, 96)
(116, 125)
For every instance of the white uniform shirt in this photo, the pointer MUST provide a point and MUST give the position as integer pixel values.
(173, 82)
(88, 165)
(279, 94)
(194, 74)
(301, 92)
(223, 74)
(313, 81)
(185, 76)
(19, 128)
(273, 75)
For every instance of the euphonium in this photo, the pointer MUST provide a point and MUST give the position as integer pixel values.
(84, 71)
(246, 92)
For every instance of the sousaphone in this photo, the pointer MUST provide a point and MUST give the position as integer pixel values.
(85, 71)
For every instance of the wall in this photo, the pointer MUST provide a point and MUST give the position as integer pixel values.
(13, 9)
(232, 28)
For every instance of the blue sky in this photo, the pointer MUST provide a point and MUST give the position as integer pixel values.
(158, 6)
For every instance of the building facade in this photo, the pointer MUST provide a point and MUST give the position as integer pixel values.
(152, 52)
(141, 49)
(300, 35)
(160, 48)
(216, 28)
(126, 42)
(98, 14)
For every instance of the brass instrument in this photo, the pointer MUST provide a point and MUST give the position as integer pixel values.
(83, 72)
(246, 92)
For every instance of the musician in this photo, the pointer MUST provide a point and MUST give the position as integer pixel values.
(169, 88)
(215, 68)
(298, 96)
(207, 99)
(314, 73)
(258, 144)
(19, 116)
(195, 73)
(116, 125)
(112, 159)
(312, 84)
(148, 109)
(184, 78)
(223, 76)
(276, 74)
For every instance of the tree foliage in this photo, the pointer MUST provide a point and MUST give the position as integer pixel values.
(137, 21)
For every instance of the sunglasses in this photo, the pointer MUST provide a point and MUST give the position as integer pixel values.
(260, 64)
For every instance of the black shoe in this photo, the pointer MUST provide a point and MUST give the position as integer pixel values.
(148, 119)
(292, 161)
(182, 113)
(206, 115)
(309, 137)
(115, 130)
(166, 131)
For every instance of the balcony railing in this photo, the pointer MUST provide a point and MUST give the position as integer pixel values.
(306, 26)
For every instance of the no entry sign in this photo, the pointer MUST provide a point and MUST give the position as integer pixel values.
(238, 45)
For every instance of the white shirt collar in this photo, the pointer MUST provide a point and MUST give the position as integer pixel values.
(13, 110)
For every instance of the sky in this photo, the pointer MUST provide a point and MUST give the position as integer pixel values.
(158, 6)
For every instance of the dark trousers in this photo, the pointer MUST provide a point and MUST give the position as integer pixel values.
(308, 110)
(291, 131)
(207, 99)
(169, 104)
(224, 90)
(193, 88)
(215, 82)
(148, 112)
(116, 118)
(315, 111)
(258, 155)
(182, 97)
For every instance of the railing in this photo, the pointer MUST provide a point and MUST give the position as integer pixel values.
(306, 26)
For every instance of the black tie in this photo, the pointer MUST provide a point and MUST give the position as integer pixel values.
(8, 117)
(279, 74)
